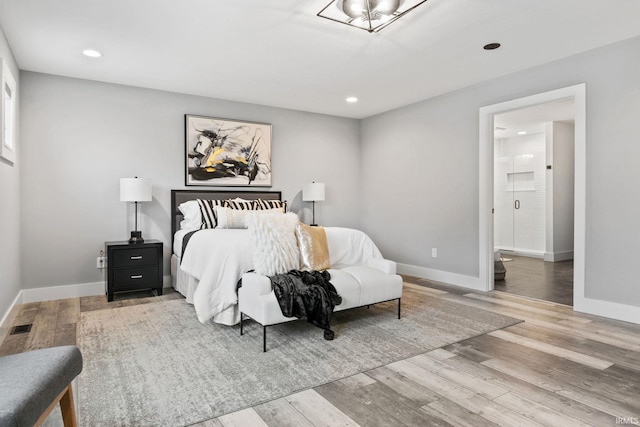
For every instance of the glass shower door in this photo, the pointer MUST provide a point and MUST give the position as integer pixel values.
(519, 203)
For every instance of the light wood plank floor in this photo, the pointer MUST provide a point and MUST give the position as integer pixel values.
(558, 368)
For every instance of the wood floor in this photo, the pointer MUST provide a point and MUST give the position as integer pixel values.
(556, 368)
(535, 278)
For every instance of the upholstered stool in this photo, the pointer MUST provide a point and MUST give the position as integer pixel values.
(32, 384)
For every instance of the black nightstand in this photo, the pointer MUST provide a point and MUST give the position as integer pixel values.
(133, 266)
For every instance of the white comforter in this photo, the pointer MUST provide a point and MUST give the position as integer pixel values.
(217, 258)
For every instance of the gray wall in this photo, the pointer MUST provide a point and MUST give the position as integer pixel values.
(9, 207)
(417, 167)
(80, 137)
(419, 192)
(420, 170)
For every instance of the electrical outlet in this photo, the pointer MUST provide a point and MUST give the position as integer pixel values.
(101, 262)
(434, 252)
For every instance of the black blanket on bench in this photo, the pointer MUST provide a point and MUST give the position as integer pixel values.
(307, 294)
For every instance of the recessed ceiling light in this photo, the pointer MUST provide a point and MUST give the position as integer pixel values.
(522, 132)
(352, 99)
(491, 46)
(91, 53)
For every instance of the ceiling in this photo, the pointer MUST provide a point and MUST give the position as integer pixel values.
(533, 120)
(279, 53)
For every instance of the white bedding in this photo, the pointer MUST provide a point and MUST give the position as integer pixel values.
(349, 247)
(177, 241)
(217, 258)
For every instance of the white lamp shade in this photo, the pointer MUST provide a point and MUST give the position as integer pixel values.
(313, 192)
(135, 190)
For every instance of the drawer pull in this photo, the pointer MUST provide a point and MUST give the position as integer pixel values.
(138, 276)
(136, 257)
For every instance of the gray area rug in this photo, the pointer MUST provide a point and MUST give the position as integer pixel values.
(155, 364)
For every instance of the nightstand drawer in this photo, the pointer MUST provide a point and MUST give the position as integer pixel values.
(141, 277)
(131, 257)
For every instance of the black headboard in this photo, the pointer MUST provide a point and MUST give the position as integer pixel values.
(181, 196)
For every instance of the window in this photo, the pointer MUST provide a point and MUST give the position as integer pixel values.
(8, 115)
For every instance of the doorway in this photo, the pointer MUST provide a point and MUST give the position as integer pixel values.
(486, 178)
(533, 201)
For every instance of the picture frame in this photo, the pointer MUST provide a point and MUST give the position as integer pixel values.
(225, 152)
(8, 114)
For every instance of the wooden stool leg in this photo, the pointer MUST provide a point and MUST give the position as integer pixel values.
(68, 408)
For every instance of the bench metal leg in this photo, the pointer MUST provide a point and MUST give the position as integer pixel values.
(241, 323)
(264, 328)
(264, 339)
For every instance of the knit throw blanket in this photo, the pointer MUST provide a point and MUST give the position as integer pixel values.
(307, 294)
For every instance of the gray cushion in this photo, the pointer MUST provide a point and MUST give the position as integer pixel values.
(30, 381)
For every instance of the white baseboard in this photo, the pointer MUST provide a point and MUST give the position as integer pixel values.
(558, 256)
(62, 292)
(522, 252)
(9, 316)
(447, 277)
(611, 310)
(72, 291)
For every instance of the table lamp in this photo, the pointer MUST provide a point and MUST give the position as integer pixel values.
(313, 192)
(135, 190)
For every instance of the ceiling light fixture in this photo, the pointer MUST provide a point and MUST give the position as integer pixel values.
(369, 15)
(522, 132)
(352, 99)
(91, 53)
(491, 46)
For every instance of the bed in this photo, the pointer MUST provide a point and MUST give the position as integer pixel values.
(214, 259)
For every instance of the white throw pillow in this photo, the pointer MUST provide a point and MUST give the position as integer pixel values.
(234, 218)
(230, 218)
(192, 218)
(275, 247)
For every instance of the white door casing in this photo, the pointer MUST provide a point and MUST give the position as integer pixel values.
(486, 197)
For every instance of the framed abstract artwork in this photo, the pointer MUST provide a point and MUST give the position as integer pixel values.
(224, 152)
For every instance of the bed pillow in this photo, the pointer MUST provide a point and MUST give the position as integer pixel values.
(231, 218)
(192, 217)
(240, 204)
(237, 218)
(270, 204)
(208, 212)
(314, 250)
(275, 247)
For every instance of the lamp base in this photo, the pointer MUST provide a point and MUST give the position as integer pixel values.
(313, 225)
(136, 237)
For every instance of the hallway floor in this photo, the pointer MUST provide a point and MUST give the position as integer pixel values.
(534, 278)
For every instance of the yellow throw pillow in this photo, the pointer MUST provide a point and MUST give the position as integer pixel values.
(314, 250)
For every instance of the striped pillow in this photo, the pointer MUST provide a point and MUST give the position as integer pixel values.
(240, 204)
(270, 204)
(207, 208)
